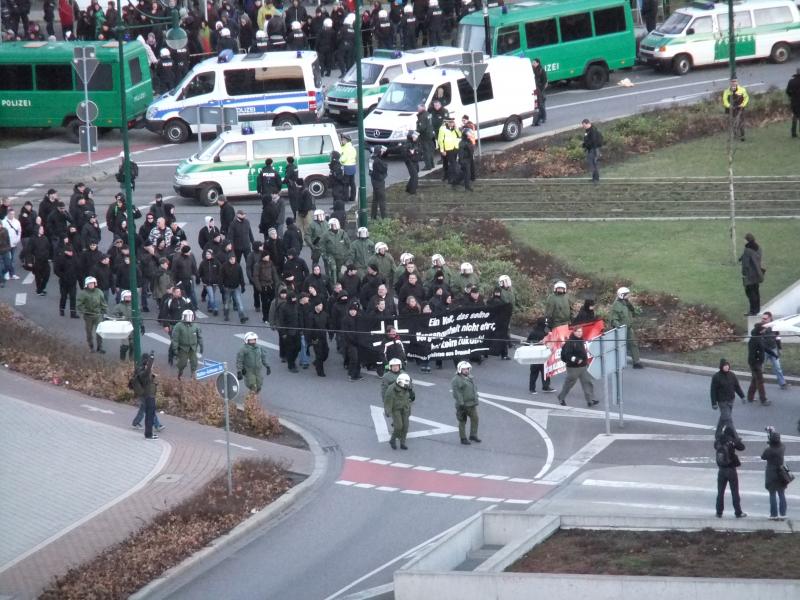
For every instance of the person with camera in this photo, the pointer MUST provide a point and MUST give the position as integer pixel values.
(776, 476)
(734, 100)
(143, 384)
(726, 445)
(134, 172)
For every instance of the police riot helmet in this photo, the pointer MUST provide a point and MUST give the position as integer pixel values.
(250, 336)
(463, 365)
(187, 316)
(404, 380)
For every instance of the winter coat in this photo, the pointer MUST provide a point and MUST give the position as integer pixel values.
(251, 359)
(397, 398)
(314, 233)
(187, 337)
(241, 235)
(265, 276)
(464, 391)
(773, 454)
(336, 244)
(384, 264)
(724, 387)
(621, 313)
(293, 239)
(210, 271)
(755, 348)
(91, 303)
(574, 353)
(752, 270)
(5, 241)
(66, 268)
(184, 268)
(558, 309)
(231, 276)
(227, 214)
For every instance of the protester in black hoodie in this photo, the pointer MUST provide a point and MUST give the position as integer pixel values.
(724, 387)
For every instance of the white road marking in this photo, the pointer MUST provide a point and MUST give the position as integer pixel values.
(460, 497)
(157, 337)
(360, 458)
(382, 429)
(512, 501)
(667, 487)
(38, 185)
(400, 465)
(345, 482)
(520, 480)
(29, 279)
(644, 505)
(91, 408)
(134, 153)
(496, 477)
(707, 460)
(386, 488)
(477, 475)
(437, 495)
(236, 445)
(269, 345)
(20, 299)
(200, 314)
(488, 499)
(380, 461)
(412, 492)
(539, 429)
(365, 486)
(41, 162)
(538, 414)
(579, 459)
(448, 472)
(421, 468)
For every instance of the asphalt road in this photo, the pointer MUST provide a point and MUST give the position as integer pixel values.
(376, 504)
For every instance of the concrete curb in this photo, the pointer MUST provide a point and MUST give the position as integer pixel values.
(700, 370)
(162, 586)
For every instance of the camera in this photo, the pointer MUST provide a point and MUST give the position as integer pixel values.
(769, 429)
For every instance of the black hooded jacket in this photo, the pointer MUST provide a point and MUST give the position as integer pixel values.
(724, 386)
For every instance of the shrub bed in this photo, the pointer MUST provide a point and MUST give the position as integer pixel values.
(32, 351)
(174, 535)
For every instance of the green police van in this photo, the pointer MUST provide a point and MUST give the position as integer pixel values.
(377, 72)
(579, 40)
(39, 87)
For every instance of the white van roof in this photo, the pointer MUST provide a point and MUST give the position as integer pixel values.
(434, 74)
(704, 7)
(265, 59)
(384, 56)
(268, 132)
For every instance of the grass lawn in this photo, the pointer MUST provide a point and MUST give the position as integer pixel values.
(768, 151)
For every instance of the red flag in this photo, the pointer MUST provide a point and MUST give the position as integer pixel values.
(556, 338)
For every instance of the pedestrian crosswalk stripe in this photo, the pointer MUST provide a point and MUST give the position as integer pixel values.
(29, 279)
(200, 314)
(158, 338)
(20, 299)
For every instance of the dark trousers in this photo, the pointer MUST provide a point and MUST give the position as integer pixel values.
(351, 183)
(68, 290)
(728, 476)
(264, 298)
(591, 160)
(756, 383)
(541, 116)
(536, 372)
(795, 120)
(291, 346)
(428, 148)
(465, 174)
(450, 164)
(352, 359)
(41, 274)
(753, 297)
(241, 253)
(149, 416)
(413, 176)
(378, 199)
(321, 351)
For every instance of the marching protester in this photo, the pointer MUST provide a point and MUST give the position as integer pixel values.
(576, 357)
(724, 388)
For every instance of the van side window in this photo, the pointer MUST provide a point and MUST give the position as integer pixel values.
(16, 77)
(609, 20)
(392, 73)
(541, 33)
(485, 91)
(102, 80)
(282, 147)
(233, 151)
(575, 27)
(703, 25)
(741, 20)
(422, 64)
(314, 145)
(443, 93)
(243, 82)
(772, 16)
(203, 83)
(507, 39)
(54, 77)
(135, 68)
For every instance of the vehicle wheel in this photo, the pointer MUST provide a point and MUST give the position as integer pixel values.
(176, 131)
(209, 194)
(681, 64)
(595, 77)
(512, 129)
(317, 186)
(73, 130)
(285, 119)
(781, 52)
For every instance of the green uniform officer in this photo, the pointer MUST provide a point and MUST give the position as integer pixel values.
(397, 404)
(249, 362)
(383, 262)
(362, 248)
(622, 312)
(558, 306)
(122, 312)
(466, 396)
(187, 343)
(91, 305)
(314, 233)
(335, 250)
(393, 370)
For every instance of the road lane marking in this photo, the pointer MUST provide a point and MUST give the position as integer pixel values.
(158, 338)
(413, 380)
(236, 445)
(47, 160)
(20, 299)
(29, 279)
(578, 460)
(707, 460)
(382, 429)
(266, 344)
(386, 488)
(667, 487)
(91, 408)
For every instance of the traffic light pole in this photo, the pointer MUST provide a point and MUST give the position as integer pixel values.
(363, 221)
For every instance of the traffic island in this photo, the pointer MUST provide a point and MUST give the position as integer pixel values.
(507, 555)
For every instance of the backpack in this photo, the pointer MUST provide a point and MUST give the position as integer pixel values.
(723, 457)
(598, 138)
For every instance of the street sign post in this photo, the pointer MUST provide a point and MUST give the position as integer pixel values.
(84, 60)
(473, 68)
(88, 137)
(209, 368)
(228, 388)
(87, 111)
(610, 355)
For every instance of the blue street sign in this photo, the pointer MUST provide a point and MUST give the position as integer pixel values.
(209, 368)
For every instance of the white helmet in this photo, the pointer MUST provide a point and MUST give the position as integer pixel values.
(296, 26)
(408, 9)
(406, 257)
(559, 285)
(403, 380)
(164, 53)
(437, 260)
(188, 315)
(379, 246)
(333, 223)
(622, 292)
(362, 232)
(349, 19)
(250, 336)
(89, 280)
(327, 23)
(382, 14)
(466, 268)
(125, 295)
(504, 281)
(261, 35)
(225, 32)
(319, 214)
(463, 365)
(433, 3)
(395, 362)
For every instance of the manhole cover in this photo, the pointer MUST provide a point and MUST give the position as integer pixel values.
(169, 478)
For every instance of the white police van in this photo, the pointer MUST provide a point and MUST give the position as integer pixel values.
(697, 34)
(506, 100)
(377, 72)
(231, 163)
(279, 87)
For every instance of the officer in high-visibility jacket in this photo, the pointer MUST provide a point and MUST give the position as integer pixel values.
(448, 140)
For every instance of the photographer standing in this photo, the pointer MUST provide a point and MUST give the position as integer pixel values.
(726, 446)
(143, 384)
(734, 101)
(774, 474)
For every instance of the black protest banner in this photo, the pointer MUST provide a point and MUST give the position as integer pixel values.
(457, 333)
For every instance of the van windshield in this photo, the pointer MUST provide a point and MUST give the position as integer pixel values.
(209, 153)
(676, 23)
(471, 37)
(405, 97)
(369, 73)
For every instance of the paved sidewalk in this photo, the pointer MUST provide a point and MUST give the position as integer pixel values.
(77, 479)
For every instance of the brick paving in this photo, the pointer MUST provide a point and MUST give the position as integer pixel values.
(64, 465)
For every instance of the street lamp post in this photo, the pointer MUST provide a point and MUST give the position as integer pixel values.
(176, 38)
(731, 127)
(362, 172)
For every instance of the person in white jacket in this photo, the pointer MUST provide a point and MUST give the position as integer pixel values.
(11, 224)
